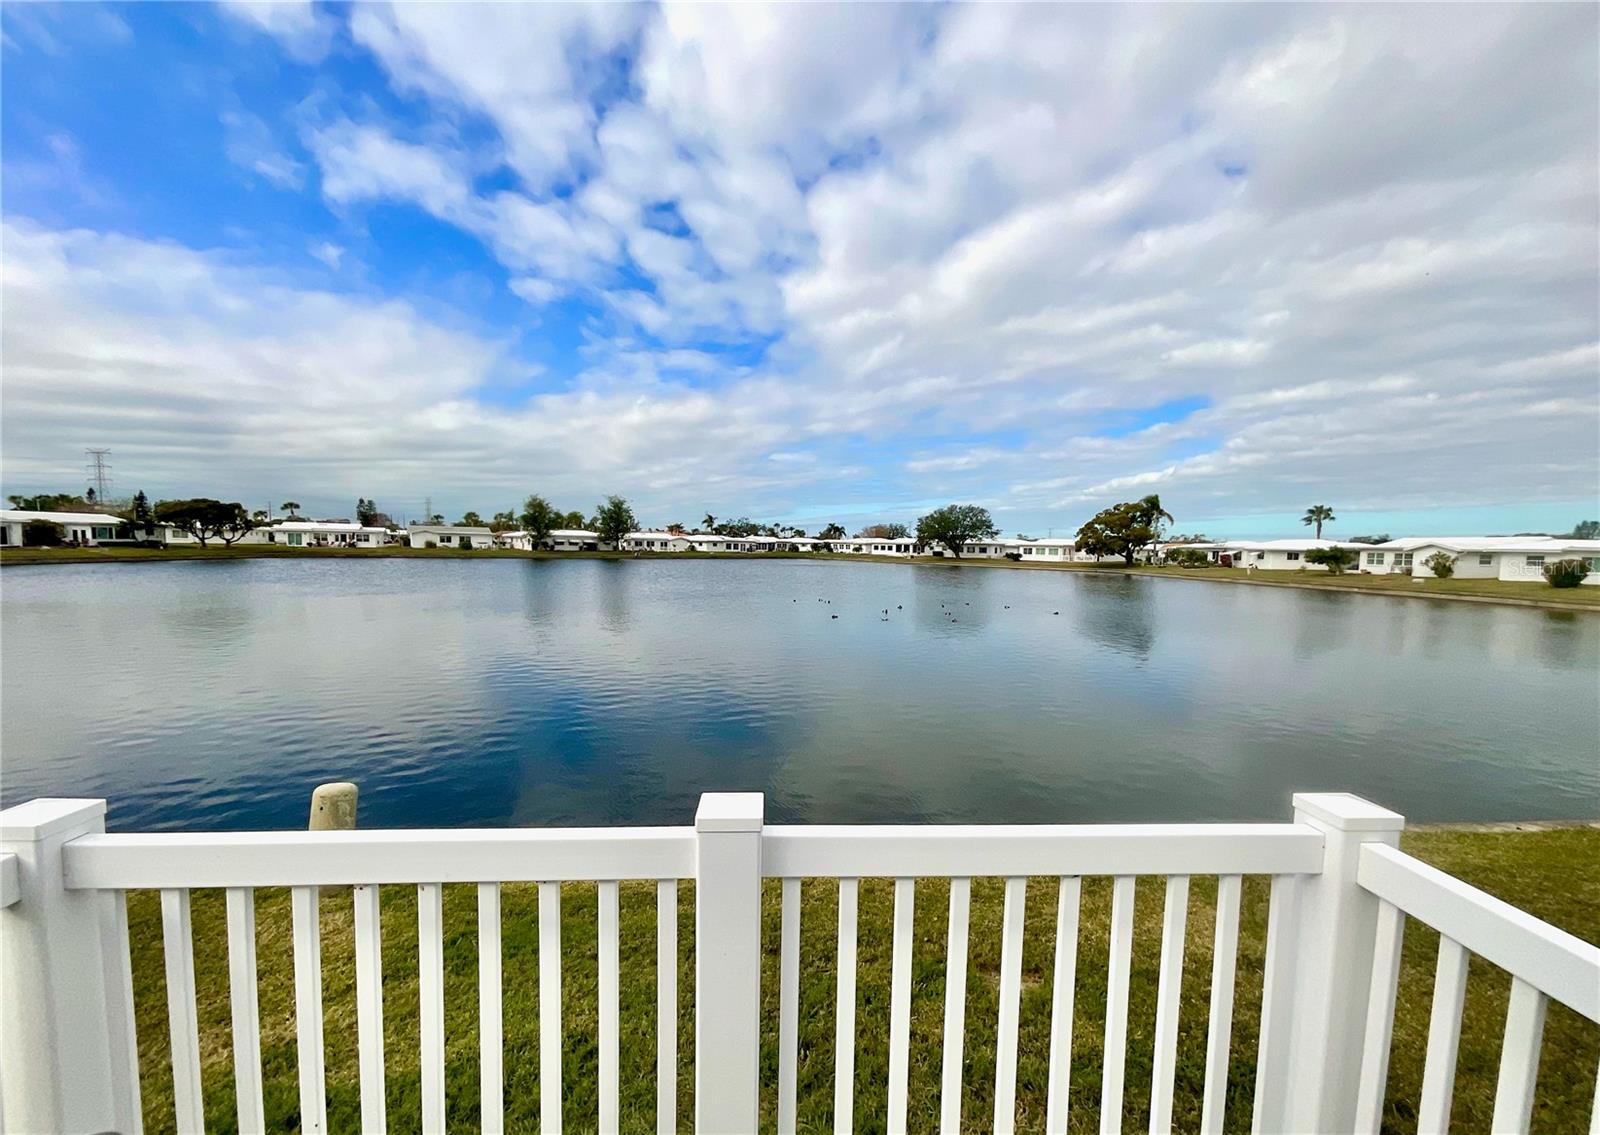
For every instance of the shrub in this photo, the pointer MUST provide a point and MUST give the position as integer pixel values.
(1188, 558)
(1336, 560)
(1566, 573)
(1442, 564)
(42, 534)
(1014, 557)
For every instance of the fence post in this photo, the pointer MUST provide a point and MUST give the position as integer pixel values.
(727, 962)
(1337, 931)
(68, 1060)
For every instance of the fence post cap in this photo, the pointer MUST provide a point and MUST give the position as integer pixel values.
(730, 812)
(1345, 812)
(42, 818)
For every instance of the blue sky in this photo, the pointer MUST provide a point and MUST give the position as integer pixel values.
(810, 263)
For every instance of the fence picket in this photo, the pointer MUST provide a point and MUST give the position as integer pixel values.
(1444, 1037)
(369, 1009)
(1005, 1060)
(1219, 1027)
(306, 916)
(1380, 1019)
(245, 1003)
(667, 1006)
(430, 993)
(491, 1016)
(955, 1006)
(177, 936)
(900, 1004)
(1277, 1001)
(1068, 901)
(1173, 924)
(788, 1007)
(1117, 978)
(608, 935)
(1519, 1058)
(844, 1044)
(550, 1008)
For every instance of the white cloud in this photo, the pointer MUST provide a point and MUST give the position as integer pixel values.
(305, 30)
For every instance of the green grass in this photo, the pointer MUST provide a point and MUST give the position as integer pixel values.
(1548, 873)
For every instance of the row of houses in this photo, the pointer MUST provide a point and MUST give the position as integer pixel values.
(1514, 559)
(1509, 558)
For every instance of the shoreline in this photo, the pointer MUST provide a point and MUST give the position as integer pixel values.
(1353, 585)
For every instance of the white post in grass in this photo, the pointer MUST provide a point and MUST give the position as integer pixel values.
(68, 1061)
(1337, 932)
(727, 962)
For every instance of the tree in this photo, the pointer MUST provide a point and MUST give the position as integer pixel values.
(436, 518)
(676, 527)
(709, 523)
(1586, 530)
(574, 519)
(42, 534)
(955, 525)
(503, 521)
(613, 520)
(88, 495)
(291, 507)
(1124, 529)
(1336, 560)
(884, 532)
(366, 512)
(538, 518)
(53, 502)
(832, 532)
(1318, 514)
(470, 519)
(143, 518)
(205, 519)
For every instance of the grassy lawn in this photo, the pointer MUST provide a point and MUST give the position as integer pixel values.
(1539, 871)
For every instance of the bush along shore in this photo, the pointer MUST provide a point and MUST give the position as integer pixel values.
(1481, 590)
(1532, 869)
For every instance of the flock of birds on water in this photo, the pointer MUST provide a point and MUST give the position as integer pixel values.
(949, 612)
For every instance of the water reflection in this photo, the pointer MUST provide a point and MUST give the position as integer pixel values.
(512, 692)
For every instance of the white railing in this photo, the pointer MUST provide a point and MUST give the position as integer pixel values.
(1340, 890)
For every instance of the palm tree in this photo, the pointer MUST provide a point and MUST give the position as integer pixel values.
(291, 507)
(1318, 514)
(709, 522)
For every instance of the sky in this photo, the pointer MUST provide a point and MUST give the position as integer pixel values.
(808, 263)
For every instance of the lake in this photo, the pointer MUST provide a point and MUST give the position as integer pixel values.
(217, 695)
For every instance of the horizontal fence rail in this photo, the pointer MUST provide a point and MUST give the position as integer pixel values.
(1340, 894)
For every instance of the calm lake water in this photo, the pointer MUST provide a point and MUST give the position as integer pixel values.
(517, 692)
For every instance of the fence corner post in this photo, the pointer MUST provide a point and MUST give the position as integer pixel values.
(1338, 923)
(727, 962)
(68, 1061)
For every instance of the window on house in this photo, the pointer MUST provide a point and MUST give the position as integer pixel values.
(295, 539)
(444, 539)
(1594, 563)
(1536, 561)
(1402, 559)
(1485, 558)
(102, 533)
(1291, 555)
(1374, 557)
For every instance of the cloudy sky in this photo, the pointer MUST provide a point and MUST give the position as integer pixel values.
(808, 263)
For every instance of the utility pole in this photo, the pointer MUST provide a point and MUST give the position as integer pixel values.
(99, 471)
(427, 510)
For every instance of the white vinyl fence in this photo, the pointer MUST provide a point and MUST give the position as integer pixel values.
(1340, 893)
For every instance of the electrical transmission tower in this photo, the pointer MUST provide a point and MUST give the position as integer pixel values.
(99, 472)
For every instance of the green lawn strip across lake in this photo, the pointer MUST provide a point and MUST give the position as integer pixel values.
(1531, 594)
(1547, 873)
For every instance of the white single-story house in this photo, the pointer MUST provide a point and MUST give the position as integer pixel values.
(1287, 555)
(1218, 552)
(1515, 559)
(86, 528)
(874, 546)
(655, 542)
(449, 536)
(1046, 550)
(573, 540)
(320, 534)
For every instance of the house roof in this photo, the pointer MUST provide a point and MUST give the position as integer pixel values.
(323, 526)
(1492, 544)
(22, 516)
(449, 529)
(575, 533)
